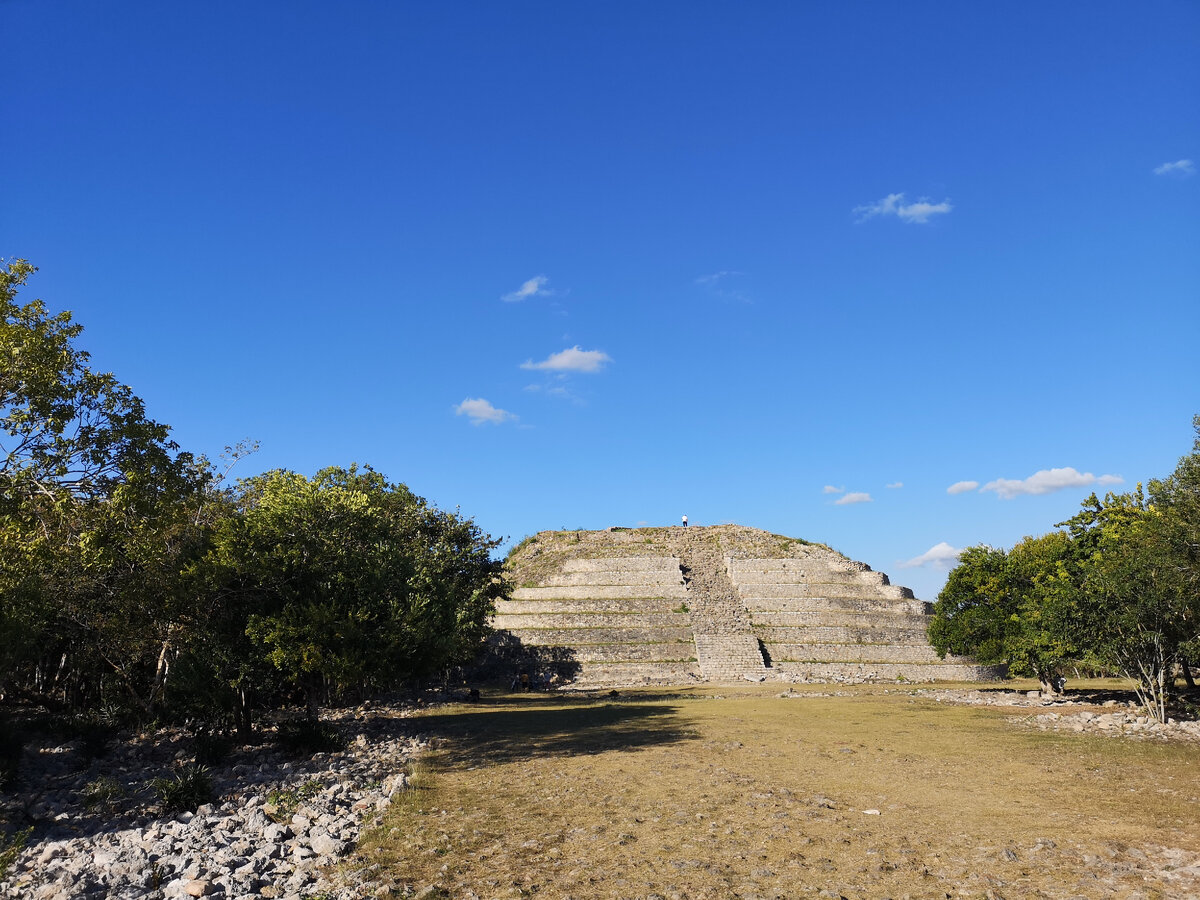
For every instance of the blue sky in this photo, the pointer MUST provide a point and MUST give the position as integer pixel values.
(577, 265)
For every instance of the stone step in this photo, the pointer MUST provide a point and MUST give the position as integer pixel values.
(615, 605)
(577, 637)
(855, 653)
(825, 590)
(840, 634)
(832, 605)
(592, 620)
(665, 564)
(906, 671)
(729, 656)
(608, 578)
(838, 618)
(600, 592)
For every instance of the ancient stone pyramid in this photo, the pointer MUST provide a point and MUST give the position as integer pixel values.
(721, 603)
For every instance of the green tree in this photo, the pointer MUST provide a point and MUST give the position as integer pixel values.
(97, 516)
(1010, 608)
(1178, 496)
(347, 581)
(1139, 604)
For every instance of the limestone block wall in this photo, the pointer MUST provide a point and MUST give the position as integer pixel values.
(825, 616)
(622, 619)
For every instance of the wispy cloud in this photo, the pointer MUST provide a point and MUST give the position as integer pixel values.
(1181, 168)
(830, 489)
(895, 485)
(716, 276)
(534, 287)
(894, 205)
(1047, 481)
(961, 487)
(939, 556)
(852, 498)
(573, 359)
(481, 412)
(560, 391)
(724, 284)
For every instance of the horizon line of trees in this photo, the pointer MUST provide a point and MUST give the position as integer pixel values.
(1115, 589)
(134, 577)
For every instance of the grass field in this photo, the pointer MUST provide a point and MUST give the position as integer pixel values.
(704, 793)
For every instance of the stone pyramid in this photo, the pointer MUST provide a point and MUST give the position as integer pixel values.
(721, 603)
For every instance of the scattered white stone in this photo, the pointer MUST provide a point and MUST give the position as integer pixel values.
(231, 848)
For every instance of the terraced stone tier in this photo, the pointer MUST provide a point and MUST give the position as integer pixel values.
(598, 592)
(578, 637)
(907, 671)
(593, 620)
(913, 622)
(622, 674)
(834, 604)
(596, 579)
(839, 634)
(592, 653)
(793, 571)
(823, 589)
(615, 605)
(667, 565)
(856, 653)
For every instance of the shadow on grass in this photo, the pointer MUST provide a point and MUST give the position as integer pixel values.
(530, 727)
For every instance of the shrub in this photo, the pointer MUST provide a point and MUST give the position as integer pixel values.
(189, 789)
(282, 802)
(11, 846)
(104, 791)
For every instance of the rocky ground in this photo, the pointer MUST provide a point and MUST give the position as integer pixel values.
(1089, 711)
(275, 828)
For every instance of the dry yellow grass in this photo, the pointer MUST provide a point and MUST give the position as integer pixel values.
(699, 794)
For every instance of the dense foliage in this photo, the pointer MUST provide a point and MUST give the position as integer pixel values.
(133, 578)
(1117, 588)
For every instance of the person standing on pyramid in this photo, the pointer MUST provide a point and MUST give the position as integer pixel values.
(685, 521)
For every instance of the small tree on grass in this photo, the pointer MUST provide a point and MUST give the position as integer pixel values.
(1139, 604)
(1010, 608)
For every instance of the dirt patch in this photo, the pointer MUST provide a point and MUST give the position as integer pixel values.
(697, 794)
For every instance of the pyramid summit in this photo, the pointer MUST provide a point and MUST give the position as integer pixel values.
(720, 603)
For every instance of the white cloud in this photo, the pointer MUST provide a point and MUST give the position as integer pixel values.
(830, 489)
(480, 411)
(1181, 167)
(534, 287)
(961, 487)
(571, 360)
(852, 498)
(894, 485)
(939, 556)
(894, 205)
(1046, 481)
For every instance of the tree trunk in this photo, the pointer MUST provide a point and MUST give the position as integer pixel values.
(312, 695)
(1185, 665)
(241, 716)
